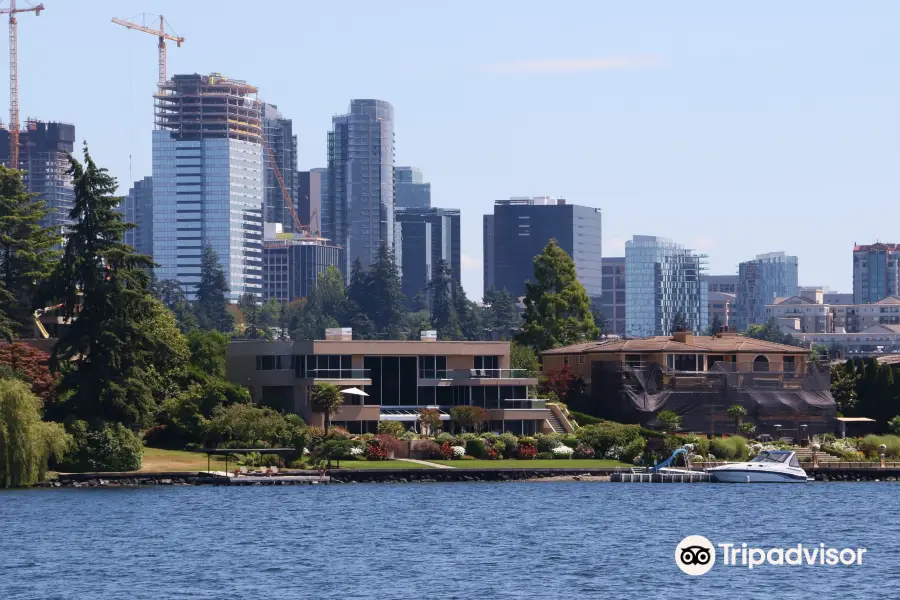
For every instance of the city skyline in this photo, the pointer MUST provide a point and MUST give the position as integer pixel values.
(720, 110)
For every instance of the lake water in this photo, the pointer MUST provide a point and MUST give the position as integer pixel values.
(476, 540)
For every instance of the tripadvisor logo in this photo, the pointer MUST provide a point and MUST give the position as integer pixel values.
(696, 555)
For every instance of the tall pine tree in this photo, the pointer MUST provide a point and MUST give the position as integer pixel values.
(105, 352)
(27, 254)
(170, 293)
(212, 302)
(557, 308)
(443, 309)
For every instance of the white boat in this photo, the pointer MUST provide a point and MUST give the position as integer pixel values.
(769, 466)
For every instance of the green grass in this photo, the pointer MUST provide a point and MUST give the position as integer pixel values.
(571, 463)
(158, 460)
(379, 464)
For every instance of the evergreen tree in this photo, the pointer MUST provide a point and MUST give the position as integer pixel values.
(557, 308)
(27, 257)
(501, 316)
(471, 321)
(680, 322)
(171, 294)
(715, 326)
(212, 302)
(376, 299)
(443, 309)
(251, 313)
(329, 295)
(102, 284)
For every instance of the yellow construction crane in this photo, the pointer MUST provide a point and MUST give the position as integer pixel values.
(160, 33)
(286, 194)
(12, 11)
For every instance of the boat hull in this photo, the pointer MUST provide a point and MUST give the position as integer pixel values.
(755, 476)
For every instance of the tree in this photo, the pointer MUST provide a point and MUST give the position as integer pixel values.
(737, 413)
(715, 326)
(523, 357)
(557, 308)
(212, 302)
(208, 350)
(326, 399)
(430, 419)
(385, 307)
(770, 332)
(843, 387)
(26, 442)
(468, 417)
(171, 294)
(603, 328)
(680, 322)
(24, 362)
(329, 296)
(250, 311)
(467, 313)
(894, 425)
(443, 309)
(27, 256)
(669, 421)
(501, 316)
(102, 284)
(564, 384)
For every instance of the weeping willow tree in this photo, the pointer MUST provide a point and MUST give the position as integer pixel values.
(26, 442)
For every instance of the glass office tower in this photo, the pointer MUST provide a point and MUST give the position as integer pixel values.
(760, 281)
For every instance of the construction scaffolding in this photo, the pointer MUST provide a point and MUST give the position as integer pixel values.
(195, 107)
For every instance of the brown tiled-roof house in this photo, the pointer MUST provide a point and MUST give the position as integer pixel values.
(700, 377)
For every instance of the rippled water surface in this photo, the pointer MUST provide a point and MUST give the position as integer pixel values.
(513, 540)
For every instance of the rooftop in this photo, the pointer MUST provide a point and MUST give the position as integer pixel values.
(664, 343)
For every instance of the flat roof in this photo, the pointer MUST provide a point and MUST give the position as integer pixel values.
(699, 343)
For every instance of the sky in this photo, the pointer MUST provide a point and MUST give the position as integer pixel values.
(733, 129)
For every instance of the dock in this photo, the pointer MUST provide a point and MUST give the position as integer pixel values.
(650, 477)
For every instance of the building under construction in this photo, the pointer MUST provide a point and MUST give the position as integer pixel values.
(43, 150)
(208, 181)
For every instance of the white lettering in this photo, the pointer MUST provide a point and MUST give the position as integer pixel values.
(810, 558)
(832, 559)
(822, 554)
(859, 553)
(848, 556)
(757, 557)
(725, 548)
(798, 552)
(775, 556)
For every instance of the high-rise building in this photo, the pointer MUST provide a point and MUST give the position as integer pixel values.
(521, 228)
(876, 272)
(358, 212)
(422, 238)
(760, 281)
(43, 156)
(725, 284)
(293, 263)
(613, 305)
(663, 285)
(410, 188)
(309, 198)
(137, 208)
(208, 181)
(488, 256)
(283, 144)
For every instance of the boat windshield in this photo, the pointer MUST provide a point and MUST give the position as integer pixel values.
(770, 457)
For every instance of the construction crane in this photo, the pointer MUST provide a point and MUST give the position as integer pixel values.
(12, 11)
(286, 195)
(160, 33)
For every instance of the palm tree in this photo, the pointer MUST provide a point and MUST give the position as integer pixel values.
(737, 412)
(669, 420)
(325, 398)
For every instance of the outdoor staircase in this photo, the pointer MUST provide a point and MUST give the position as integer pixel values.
(805, 455)
(555, 424)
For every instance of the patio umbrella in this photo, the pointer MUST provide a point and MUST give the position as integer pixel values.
(354, 391)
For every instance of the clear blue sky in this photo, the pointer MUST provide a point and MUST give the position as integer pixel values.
(733, 129)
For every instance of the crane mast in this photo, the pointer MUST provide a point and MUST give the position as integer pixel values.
(160, 34)
(14, 77)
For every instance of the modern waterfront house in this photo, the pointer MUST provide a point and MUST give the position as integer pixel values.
(700, 377)
(399, 378)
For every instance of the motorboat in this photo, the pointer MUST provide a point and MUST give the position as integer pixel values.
(769, 466)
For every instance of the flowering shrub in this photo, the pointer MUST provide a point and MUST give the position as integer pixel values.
(614, 452)
(374, 452)
(356, 451)
(388, 442)
(446, 451)
(458, 452)
(381, 447)
(562, 452)
(494, 453)
(584, 451)
(527, 451)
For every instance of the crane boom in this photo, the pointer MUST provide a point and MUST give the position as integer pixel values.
(159, 33)
(285, 194)
(12, 11)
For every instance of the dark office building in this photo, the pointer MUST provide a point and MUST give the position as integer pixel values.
(612, 305)
(137, 208)
(521, 228)
(291, 267)
(410, 188)
(283, 143)
(309, 198)
(422, 238)
(43, 149)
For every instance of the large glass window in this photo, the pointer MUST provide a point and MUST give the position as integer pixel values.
(432, 367)
(487, 363)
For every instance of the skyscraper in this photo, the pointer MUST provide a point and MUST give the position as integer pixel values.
(876, 272)
(293, 263)
(358, 212)
(43, 149)
(410, 189)
(309, 198)
(283, 143)
(663, 281)
(613, 305)
(423, 237)
(760, 281)
(208, 181)
(137, 208)
(519, 230)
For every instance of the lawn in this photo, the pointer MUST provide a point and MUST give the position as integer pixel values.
(158, 460)
(571, 463)
(379, 464)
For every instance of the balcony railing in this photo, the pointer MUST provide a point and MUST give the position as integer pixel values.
(524, 403)
(337, 374)
(476, 374)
